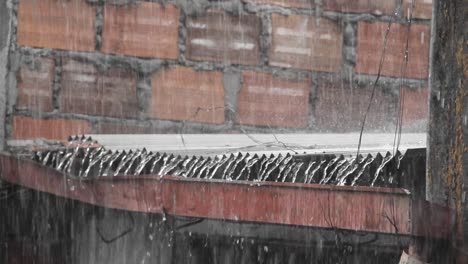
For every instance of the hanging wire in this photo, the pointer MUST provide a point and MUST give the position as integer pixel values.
(401, 97)
(379, 72)
(400, 112)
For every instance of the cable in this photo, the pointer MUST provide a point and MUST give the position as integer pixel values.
(374, 86)
(401, 98)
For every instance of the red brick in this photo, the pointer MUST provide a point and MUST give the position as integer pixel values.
(422, 8)
(283, 3)
(341, 108)
(302, 42)
(59, 129)
(56, 24)
(371, 42)
(377, 7)
(79, 90)
(147, 30)
(112, 128)
(87, 91)
(185, 94)
(267, 100)
(35, 85)
(415, 105)
(217, 36)
(119, 93)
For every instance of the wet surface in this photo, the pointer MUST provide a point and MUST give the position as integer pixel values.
(82, 233)
(85, 158)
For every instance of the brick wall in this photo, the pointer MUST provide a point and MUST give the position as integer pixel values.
(81, 66)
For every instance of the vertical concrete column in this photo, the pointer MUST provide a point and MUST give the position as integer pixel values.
(5, 31)
(447, 161)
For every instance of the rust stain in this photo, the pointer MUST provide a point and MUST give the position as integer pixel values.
(429, 178)
(454, 174)
(462, 58)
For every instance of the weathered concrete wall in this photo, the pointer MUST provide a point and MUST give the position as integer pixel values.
(5, 30)
(447, 175)
(213, 66)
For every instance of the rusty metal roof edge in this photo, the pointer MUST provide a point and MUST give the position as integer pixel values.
(153, 177)
(156, 195)
(119, 194)
(324, 187)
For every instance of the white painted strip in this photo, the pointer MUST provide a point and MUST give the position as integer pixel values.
(196, 25)
(280, 64)
(38, 75)
(294, 32)
(74, 66)
(242, 45)
(203, 42)
(276, 90)
(298, 51)
(166, 22)
(326, 36)
(155, 21)
(422, 37)
(82, 78)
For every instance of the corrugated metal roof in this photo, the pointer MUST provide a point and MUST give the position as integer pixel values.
(215, 144)
(291, 158)
(223, 180)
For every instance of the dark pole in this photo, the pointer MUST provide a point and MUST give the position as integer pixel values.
(447, 162)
